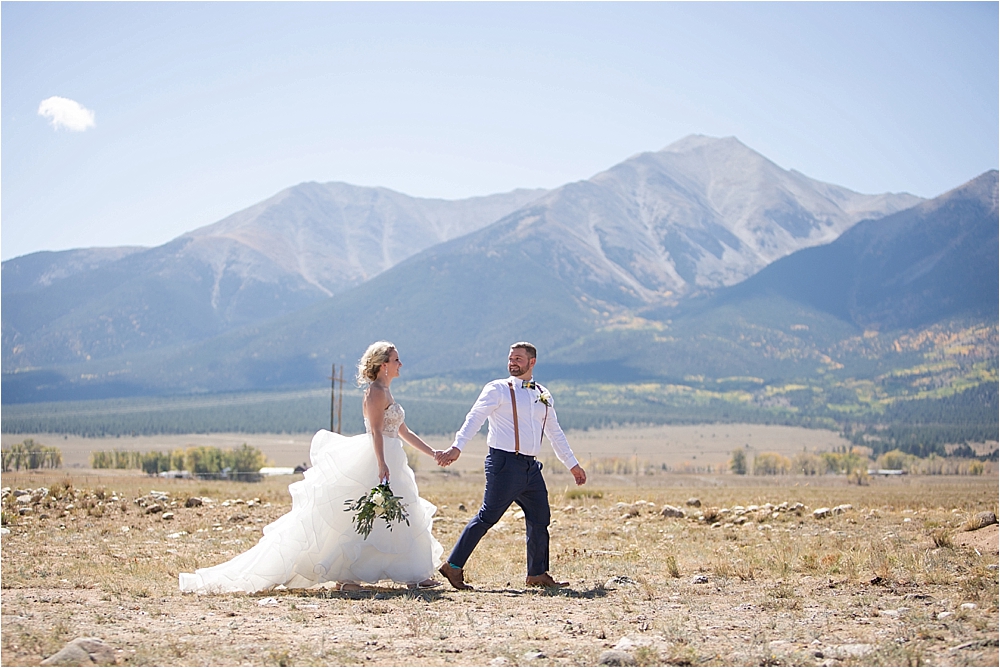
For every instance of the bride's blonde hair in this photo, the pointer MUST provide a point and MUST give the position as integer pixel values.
(373, 359)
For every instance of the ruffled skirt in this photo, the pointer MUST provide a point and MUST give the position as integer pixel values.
(316, 541)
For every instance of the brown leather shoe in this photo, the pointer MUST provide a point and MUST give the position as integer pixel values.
(543, 580)
(454, 576)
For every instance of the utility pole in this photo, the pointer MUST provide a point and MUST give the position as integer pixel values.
(340, 398)
(336, 398)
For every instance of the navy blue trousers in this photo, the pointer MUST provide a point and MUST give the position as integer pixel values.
(510, 478)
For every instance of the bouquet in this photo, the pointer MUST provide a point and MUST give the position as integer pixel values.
(379, 502)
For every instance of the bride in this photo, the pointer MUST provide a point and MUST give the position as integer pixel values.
(316, 540)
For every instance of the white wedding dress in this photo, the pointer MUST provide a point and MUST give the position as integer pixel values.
(316, 540)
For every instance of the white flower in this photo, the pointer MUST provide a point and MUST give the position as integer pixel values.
(545, 398)
(380, 511)
(378, 499)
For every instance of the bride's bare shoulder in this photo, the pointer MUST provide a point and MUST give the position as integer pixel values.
(377, 396)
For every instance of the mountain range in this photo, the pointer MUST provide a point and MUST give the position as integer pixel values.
(935, 264)
(616, 276)
(302, 245)
(908, 270)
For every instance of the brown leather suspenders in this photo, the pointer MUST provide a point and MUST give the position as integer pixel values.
(513, 406)
(517, 434)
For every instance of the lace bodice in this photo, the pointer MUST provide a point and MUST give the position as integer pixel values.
(394, 416)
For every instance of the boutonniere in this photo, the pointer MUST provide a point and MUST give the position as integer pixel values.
(545, 398)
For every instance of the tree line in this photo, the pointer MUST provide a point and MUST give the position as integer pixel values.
(920, 427)
(31, 455)
(854, 463)
(242, 463)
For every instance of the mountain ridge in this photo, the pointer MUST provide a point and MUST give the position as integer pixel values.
(203, 283)
(652, 233)
(948, 267)
(452, 309)
(662, 225)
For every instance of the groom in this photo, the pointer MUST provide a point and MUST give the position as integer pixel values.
(519, 412)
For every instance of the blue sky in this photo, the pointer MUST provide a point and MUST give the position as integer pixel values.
(202, 109)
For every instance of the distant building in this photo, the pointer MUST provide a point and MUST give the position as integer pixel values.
(277, 470)
(174, 474)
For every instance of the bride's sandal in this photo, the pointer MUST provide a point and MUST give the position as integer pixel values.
(429, 583)
(349, 586)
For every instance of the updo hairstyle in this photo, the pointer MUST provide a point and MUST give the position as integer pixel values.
(373, 359)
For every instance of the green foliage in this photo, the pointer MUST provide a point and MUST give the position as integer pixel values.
(247, 412)
(242, 463)
(31, 455)
(115, 459)
(379, 502)
(203, 460)
(617, 466)
(920, 392)
(738, 462)
(808, 463)
(157, 462)
(771, 463)
(895, 460)
(924, 426)
(845, 462)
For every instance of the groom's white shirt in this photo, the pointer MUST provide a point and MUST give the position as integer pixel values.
(493, 404)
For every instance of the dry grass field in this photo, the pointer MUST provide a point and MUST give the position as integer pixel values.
(698, 445)
(893, 580)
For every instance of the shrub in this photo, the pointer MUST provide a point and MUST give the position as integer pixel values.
(583, 493)
(941, 538)
(845, 462)
(244, 463)
(771, 463)
(738, 462)
(808, 463)
(896, 460)
(203, 461)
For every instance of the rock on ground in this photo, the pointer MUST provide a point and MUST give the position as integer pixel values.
(83, 652)
(671, 511)
(615, 657)
(853, 650)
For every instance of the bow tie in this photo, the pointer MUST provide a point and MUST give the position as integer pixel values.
(529, 384)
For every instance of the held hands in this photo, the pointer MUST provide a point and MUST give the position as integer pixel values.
(579, 474)
(446, 457)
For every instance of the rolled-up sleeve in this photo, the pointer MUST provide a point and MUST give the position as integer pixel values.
(560, 445)
(488, 401)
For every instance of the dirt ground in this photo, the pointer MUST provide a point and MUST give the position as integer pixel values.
(983, 540)
(891, 580)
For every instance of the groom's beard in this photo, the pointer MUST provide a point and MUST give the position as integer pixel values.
(515, 370)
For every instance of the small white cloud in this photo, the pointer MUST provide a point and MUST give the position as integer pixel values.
(66, 113)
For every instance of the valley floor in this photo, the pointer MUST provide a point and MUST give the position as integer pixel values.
(891, 580)
(674, 445)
